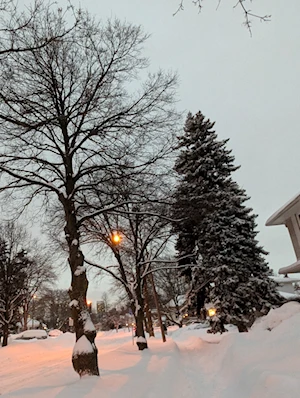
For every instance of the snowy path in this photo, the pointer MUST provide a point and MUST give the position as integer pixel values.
(30, 362)
(43, 367)
(172, 369)
(191, 364)
(47, 362)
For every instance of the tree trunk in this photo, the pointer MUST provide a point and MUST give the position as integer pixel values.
(149, 322)
(217, 325)
(242, 327)
(179, 323)
(5, 331)
(139, 317)
(157, 308)
(25, 316)
(140, 333)
(85, 353)
(85, 360)
(203, 313)
(146, 325)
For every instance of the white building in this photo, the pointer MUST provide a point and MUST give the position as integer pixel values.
(287, 287)
(289, 215)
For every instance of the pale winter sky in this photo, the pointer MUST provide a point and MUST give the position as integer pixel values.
(249, 86)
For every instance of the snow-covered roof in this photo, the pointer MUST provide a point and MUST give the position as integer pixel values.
(290, 269)
(289, 295)
(285, 212)
(285, 280)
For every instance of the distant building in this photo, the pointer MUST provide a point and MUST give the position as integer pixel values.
(100, 307)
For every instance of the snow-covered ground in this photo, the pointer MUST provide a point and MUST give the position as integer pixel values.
(264, 363)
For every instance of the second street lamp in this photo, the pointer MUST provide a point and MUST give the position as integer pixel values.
(89, 305)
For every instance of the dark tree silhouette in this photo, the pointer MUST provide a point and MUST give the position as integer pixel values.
(70, 119)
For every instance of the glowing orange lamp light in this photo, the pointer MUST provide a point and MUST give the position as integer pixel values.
(116, 238)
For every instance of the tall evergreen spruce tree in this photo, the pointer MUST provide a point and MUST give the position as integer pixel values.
(218, 227)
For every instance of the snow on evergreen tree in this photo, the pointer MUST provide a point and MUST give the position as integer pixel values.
(218, 227)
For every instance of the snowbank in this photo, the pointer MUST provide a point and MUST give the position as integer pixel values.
(263, 363)
(277, 316)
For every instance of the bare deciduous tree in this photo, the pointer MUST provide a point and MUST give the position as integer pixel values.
(39, 276)
(171, 290)
(71, 115)
(144, 229)
(52, 307)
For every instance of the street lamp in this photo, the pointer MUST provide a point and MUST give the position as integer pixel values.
(211, 312)
(116, 237)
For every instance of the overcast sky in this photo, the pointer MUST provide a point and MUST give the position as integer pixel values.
(249, 86)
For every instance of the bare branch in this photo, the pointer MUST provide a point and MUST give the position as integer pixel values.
(106, 269)
(171, 267)
(248, 14)
(13, 23)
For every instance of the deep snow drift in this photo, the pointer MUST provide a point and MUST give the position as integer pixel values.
(264, 363)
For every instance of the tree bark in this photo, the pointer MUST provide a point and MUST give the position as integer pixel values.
(25, 316)
(139, 318)
(149, 322)
(5, 331)
(85, 361)
(241, 327)
(140, 333)
(146, 325)
(158, 309)
(178, 314)
(217, 326)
